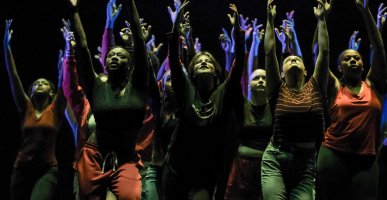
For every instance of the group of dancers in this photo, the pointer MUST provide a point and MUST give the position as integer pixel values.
(189, 128)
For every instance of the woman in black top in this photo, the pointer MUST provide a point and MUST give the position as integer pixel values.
(196, 148)
(118, 101)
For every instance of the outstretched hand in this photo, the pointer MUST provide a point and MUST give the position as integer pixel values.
(382, 15)
(126, 34)
(197, 45)
(319, 11)
(66, 23)
(234, 19)
(353, 43)
(185, 26)
(271, 10)
(179, 16)
(145, 29)
(362, 5)
(70, 40)
(8, 32)
(257, 33)
(327, 5)
(112, 12)
(290, 15)
(173, 14)
(225, 40)
(74, 3)
(151, 45)
(245, 25)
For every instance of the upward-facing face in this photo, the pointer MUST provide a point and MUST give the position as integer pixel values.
(41, 86)
(293, 64)
(117, 59)
(351, 63)
(258, 81)
(204, 65)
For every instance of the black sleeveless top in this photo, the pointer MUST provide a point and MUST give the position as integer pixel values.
(118, 119)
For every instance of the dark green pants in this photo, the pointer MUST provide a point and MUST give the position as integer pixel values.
(34, 183)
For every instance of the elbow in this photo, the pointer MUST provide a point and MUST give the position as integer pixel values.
(324, 51)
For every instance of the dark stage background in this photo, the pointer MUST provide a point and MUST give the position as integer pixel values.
(37, 38)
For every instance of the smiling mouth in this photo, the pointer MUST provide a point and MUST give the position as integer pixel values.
(204, 67)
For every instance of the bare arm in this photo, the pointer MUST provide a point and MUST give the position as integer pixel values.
(239, 63)
(141, 68)
(252, 62)
(112, 12)
(85, 56)
(322, 63)
(271, 62)
(178, 77)
(19, 95)
(378, 71)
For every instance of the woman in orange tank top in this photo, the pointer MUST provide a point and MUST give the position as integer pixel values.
(346, 158)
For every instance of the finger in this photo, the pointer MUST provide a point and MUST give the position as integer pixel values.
(225, 32)
(230, 17)
(383, 10)
(127, 24)
(380, 6)
(119, 9)
(255, 22)
(159, 46)
(277, 32)
(170, 10)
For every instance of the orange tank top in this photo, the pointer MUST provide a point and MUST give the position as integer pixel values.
(355, 120)
(38, 138)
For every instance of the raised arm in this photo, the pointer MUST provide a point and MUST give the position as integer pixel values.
(19, 95)
(84, 52)
(225, 42)
(293, 39)
(112, 12)
(381, 17)
(271, 62)
(178, 77)
(321, 70)
(327, 6)
(252, 62)
(377, 73)
(141, 67)
(73, 92)
(239, 62)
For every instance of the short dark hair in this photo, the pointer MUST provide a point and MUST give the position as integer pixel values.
(130, 53)
(340, 58)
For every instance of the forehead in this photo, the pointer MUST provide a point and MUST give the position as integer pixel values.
(119, 50)
(41, 80)
(257, 73)
(293, 57)
(351, 52)
(203, 56)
